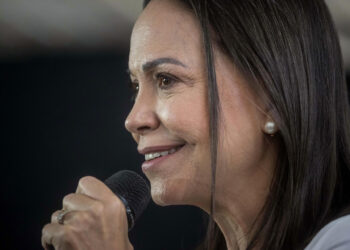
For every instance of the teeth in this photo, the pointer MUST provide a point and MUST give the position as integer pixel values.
(164, 153)
(154, 155)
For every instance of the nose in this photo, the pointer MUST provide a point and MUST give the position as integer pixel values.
(142, 117)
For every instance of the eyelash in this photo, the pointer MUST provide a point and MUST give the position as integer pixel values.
(163, 76)
(160, 77)
(134, 86)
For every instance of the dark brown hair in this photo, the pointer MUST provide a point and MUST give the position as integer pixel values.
(290, 52)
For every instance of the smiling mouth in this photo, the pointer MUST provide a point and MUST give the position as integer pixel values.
(154, 155)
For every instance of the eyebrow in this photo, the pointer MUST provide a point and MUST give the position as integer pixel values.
(164, 60)
(150, 65)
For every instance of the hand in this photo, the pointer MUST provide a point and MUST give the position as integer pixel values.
(96, 219)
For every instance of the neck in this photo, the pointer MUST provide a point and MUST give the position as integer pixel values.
(237, 212)
(238, 206)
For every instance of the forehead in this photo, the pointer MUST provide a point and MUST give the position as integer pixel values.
(166, 28)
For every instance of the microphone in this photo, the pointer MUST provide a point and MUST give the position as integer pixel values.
(132, 190)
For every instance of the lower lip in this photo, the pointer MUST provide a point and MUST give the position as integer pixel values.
(152, 164)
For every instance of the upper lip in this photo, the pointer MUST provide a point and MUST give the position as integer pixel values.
(152, 149)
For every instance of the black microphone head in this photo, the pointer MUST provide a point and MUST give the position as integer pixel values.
(133, 190)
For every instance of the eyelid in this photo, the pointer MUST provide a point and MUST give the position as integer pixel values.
(165, 74)
(133, 85)
(170, 76)
(133, 82)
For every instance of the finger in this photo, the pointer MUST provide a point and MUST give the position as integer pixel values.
(76, 219)
(66, 216)
(54, 216)
(80, 202)
(46, 235)
(94, 188)
(55, 235)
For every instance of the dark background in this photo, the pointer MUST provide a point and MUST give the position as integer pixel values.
(62, 119)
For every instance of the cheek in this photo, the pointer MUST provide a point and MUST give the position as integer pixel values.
(186, 116)
(239, 151)
(241, 139)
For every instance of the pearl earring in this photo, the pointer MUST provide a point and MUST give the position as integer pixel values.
(270, 128)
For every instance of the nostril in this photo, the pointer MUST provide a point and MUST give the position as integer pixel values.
(143, 128)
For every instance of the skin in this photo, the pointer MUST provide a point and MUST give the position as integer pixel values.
(96, 220)
(171, 109)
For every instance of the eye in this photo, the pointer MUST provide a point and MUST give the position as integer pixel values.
(134, 86)
(165, 81)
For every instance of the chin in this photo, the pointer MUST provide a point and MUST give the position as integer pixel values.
(179, 192)
(157, 193)
(164, 193)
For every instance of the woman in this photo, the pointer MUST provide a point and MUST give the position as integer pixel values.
(247, 102)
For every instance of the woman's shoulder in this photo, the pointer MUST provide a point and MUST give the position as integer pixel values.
(335, 235)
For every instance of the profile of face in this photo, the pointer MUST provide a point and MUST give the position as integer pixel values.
(170, 117)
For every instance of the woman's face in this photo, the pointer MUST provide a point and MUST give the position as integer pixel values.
(170, 118)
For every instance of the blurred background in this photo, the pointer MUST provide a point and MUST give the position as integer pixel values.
(64, 99)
